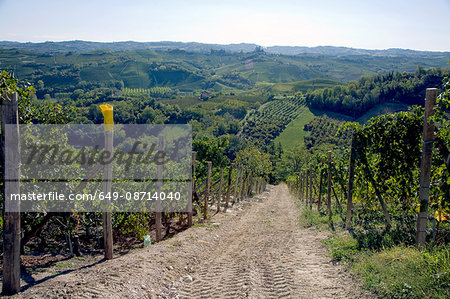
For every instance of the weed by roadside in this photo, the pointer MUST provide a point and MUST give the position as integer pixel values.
(386, 266)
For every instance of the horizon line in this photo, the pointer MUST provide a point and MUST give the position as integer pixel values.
(220, 44)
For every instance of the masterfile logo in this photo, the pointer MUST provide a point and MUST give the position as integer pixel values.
(62, 168)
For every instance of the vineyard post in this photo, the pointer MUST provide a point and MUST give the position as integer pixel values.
(258, 184)
(306, 187)
(193, 188)
(159, 171)
(11, 216)
(310, 186)
(351, 174)
(377, 191)
(425, 169)
(227, 199)
(319, 201)
(300, 185)
(252, 185)
(235, 194)
(208, 187)
(248, 184)
(329, 186)
(303, 186)
(257, 181)
(219, 192)
(261, 186)
(107, 111)
(243, 180)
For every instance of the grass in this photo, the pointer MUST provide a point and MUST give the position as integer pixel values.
(293, 134)
(209, 226)
(312, 218)
(405, 272)
(343, 247)
(303, 86)
(64, 265)
(395, 271)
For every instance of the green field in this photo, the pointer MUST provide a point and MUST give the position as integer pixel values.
(300, 86)
(293, 135)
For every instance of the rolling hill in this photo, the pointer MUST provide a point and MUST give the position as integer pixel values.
(190, 70)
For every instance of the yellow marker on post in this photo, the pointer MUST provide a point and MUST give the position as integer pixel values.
(108, 120)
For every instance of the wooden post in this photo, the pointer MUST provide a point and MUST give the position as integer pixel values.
(337, 199)
(227, 199)
(310, 186)
(237, 179)
(319, 201)
(219, 192)
(425, 169)
(261, 182)
(247, 181)
(329, 187)
(208, 187)
(11, 216)
(377, 190)
(306, 186)
(249, 185)
(243, 179)
(351, 174)
(193, 188)
(302, 186)
(107, 181)
(158, 214)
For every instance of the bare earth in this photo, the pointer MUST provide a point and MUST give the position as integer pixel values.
(255, 250)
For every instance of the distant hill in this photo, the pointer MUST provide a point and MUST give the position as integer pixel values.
(188, 71)
(86, 46)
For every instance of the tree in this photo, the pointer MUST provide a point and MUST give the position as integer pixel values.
(255, 161)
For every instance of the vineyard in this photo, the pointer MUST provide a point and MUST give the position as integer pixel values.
(271, 119)
(155, 92)
(389, 188)
(387, 192)
(217, 185)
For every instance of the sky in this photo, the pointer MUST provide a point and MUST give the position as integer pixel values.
(374, 24)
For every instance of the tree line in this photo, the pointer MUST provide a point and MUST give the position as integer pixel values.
(358, 97)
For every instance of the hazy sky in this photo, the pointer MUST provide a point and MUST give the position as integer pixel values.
(373, 24)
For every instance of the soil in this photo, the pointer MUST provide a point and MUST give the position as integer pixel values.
(256, 249)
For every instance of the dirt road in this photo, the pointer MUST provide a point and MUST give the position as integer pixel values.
(255, 250)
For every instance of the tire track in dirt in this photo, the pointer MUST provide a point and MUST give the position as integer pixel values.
(265, 254)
